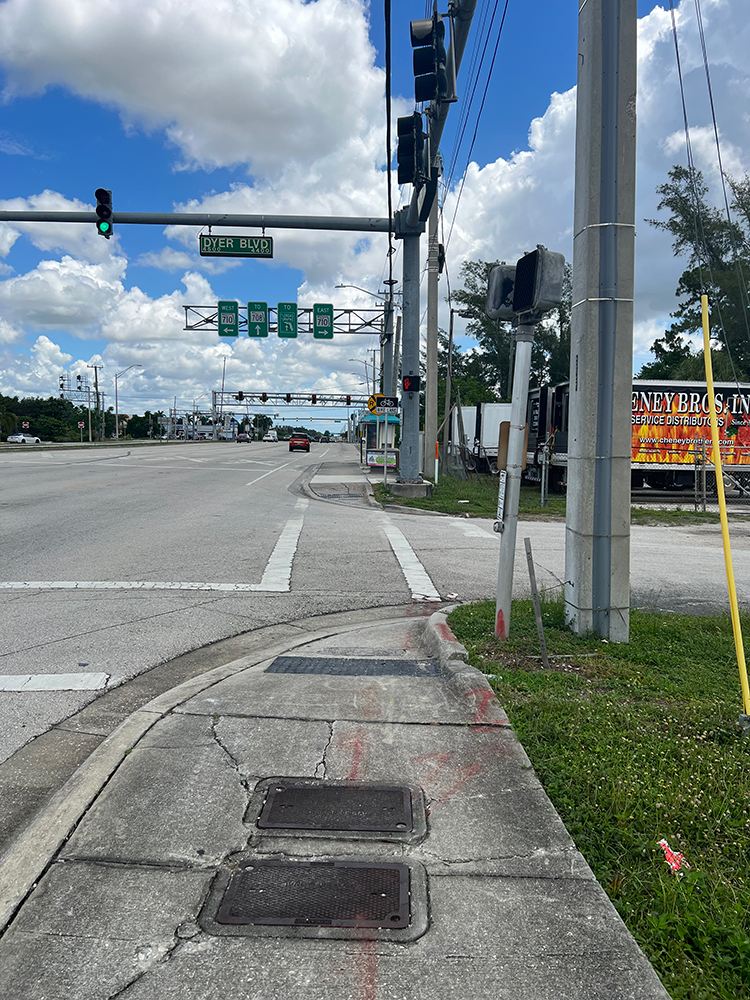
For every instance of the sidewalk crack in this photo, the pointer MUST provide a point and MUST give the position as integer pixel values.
(321, 769)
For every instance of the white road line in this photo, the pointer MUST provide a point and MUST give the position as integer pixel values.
(53, 682)
(471, 530)
(342, 478)
(267, 474)
(421, 586)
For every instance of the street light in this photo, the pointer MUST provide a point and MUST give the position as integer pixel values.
(358, 361)
(117, 412)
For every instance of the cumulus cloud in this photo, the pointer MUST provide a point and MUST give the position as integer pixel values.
(79, 239)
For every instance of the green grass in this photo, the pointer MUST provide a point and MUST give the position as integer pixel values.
(636, 743)
(478, 498)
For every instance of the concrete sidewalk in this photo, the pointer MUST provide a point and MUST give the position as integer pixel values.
(115, 890)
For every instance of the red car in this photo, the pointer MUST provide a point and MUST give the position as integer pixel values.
(299, 442)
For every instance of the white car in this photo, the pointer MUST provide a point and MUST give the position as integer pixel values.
(23, 439)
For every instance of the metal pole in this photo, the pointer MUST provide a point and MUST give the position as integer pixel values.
(446, 422)
(597, 537)
(396, 357)
(387, 347)
(512, 480)
(431, 381)
(117, 415)
(214, 435)
(88, 389)
(410, 364)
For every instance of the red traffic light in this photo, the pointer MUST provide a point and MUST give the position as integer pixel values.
(348, 400)
(411, 383)
(240, 396)
(288, 397)
(314, 399)
(264, 397)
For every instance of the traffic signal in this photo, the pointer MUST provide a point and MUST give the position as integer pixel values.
(499, 303)
(313, 399)
(240, 396)
(104, 212)
(288, 397)
(411, 383)
(412, 152)
(430, 60)
(348, 400)
(539, 281)
(264, 397)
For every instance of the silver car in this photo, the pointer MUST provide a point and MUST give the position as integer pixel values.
(23, 439)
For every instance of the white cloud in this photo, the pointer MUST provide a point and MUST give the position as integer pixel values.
(79, 239)
(230, 82)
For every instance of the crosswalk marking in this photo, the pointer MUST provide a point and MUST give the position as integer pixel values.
(416, 576)
(53, 682)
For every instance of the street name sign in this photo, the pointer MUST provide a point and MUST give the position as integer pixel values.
(323, 321)
(257, 319)
(229, 319)
(286, 319)
(236, 246)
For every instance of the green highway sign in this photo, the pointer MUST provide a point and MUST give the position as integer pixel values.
(236, 246)
(323, 321)
(286, 319)
(229, 319)
(257, 319)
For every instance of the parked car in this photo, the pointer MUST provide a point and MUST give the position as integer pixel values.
(299, 442)
(243, 437)
(23, 439)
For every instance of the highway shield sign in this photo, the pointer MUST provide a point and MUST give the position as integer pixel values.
(257, 319)
(286, 319)
(322, 321)
(229, 319)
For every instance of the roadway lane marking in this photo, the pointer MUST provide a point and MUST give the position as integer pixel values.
(421, 586)
(53, 682)
(268, 474)
(277, 576)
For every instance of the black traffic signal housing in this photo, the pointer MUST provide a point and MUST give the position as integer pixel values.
(313, 399)
(264, 397)
(430, 60)
(539, 281)
(500, 287)
(412, 152)
(288, 397)
(240, 396)
(411, 383)
(348, 400)
(104, 212)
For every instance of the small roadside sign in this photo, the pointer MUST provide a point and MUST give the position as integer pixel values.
(257, 319)
(25, 425)
(229, 319)
(374, 401)
(80, 425)
(323, 321)
(236, 246)
(286, 319)
(387, 406)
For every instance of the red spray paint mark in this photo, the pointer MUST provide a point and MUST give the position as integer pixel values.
(674, 859)
(367, 969)
(443, 770)
(486, 698)
(357, 743)
(445, 631)
(500, 626)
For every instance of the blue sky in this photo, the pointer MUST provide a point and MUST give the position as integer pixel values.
(278, 108)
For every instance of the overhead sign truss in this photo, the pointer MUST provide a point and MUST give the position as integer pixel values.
(344, 320)
(228, 399)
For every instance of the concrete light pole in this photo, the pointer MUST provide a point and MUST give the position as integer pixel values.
(597, 534)
(117, 412)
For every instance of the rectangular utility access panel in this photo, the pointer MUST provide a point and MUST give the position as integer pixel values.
(317, 894)
(350, 807)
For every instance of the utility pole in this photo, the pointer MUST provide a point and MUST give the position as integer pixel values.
(597, 534)
(431, 382)
(99, 408)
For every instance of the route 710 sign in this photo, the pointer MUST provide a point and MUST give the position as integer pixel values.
(323, 321)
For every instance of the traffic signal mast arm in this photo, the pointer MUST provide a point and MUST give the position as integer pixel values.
(291, 398)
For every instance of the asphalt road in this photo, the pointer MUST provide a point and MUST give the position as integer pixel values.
(116, 560)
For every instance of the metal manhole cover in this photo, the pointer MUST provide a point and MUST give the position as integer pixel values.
(349, 666)
(357, 807)
(317, 894)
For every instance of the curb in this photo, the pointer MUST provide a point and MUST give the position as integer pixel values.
(466, 681)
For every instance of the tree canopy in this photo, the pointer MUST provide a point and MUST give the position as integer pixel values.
(717, 250)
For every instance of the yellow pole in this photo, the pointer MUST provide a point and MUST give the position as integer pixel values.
(723, 511)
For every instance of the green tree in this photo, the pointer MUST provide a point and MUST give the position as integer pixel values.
(490, 364)
(718, 258)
